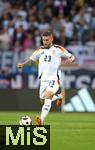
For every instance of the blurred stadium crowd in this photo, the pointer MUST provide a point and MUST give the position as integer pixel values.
(23, 21)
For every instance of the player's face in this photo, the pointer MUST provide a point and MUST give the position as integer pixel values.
(47, 41)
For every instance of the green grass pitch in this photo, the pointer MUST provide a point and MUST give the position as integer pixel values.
(69, 131)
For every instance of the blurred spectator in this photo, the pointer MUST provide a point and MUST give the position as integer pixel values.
(4, 39)
(22, 12)
(62, 38)
(1, 7)
(28, 42)
(33, 22)
(82, 31)
(79, 3)
(56, 26)
(11, 29)
(68, 29)
(41, 5)
(48, 15)
(19, 34)
(5, 78)
(20, 21)
(59, 6)
(18, 47)
(92, 23)
(43, 25)
(37, 39)
(6, 6)
(74, 17)
(87, 13)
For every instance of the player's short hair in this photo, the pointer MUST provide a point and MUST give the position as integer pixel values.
(47, 33)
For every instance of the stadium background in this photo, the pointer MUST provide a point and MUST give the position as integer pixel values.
(22, 22)
(73, 25)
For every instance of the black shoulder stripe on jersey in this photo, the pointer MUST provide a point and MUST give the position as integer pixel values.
(57, 46)
(42, 47)
(60, 47)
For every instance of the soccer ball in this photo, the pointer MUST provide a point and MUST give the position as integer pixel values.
(25, 121)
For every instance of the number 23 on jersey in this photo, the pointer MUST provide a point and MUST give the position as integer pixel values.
(47, 58)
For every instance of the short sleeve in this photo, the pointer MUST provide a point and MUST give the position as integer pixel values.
(63, 52)
(35, 55)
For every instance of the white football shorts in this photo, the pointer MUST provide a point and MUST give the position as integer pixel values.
(49, 85)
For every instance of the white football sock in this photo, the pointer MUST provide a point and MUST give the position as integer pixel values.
(55, 97)
(45, 109)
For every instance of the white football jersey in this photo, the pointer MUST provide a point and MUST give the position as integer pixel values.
(49, 61)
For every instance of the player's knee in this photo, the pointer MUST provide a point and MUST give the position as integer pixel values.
(48, 95)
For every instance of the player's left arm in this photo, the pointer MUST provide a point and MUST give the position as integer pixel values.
(69, 57)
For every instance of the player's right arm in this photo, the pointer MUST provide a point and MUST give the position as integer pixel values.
(33, 57)
(21, 65)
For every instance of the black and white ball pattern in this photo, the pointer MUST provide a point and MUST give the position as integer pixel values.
(26, 121)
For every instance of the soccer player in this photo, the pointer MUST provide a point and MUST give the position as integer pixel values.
(49, 56)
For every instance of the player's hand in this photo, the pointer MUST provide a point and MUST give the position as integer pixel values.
(70, 60)
(20, 65)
